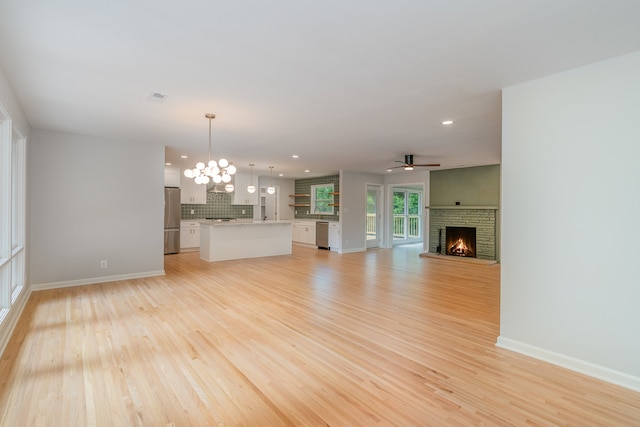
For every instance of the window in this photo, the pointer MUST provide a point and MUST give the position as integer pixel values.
(322, 199)
(12, 213)
(17, 216)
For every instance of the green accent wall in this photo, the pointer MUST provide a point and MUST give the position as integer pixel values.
(475, 186)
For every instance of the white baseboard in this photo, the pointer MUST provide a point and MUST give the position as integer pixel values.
(578, 365)
(352, 250)
(94, 280)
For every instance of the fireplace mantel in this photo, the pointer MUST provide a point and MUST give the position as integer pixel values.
(495, 208)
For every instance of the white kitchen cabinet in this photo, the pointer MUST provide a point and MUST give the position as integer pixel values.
(240, 195)
(189, 235)
(192, 193)
(309, 234)
(304, 232)
(295, 232)
(171, 176)
(334, 236)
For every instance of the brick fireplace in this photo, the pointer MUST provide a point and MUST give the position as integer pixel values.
(482, 219)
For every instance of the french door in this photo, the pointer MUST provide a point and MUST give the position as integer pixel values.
(407, 218)
(374, 215)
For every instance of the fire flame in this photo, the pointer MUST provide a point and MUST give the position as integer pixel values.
(459, 247)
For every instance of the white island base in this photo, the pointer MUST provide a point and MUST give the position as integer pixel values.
(220, 241)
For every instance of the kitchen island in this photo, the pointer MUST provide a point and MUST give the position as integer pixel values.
(220, 241)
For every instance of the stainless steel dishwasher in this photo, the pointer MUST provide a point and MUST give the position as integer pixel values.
(322, 234)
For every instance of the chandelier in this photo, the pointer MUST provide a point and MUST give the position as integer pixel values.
(217, 172)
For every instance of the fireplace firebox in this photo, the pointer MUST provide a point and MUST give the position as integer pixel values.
(461, 241)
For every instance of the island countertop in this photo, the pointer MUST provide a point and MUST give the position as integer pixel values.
(213, 222)
(226, 240)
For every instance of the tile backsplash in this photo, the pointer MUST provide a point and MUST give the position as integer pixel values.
(218, 206)
(303, 186)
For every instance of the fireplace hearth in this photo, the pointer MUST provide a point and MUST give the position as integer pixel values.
(461, 241)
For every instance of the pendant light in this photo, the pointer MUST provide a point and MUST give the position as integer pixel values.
(214, 171)
(251, 188)
(271, 189)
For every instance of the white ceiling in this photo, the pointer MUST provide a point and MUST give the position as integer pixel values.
(348, 84)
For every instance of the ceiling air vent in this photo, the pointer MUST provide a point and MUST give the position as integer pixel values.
(157, 97)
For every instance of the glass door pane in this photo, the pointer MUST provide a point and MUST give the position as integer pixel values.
(399, 214)
(414, 223)
(373, 217)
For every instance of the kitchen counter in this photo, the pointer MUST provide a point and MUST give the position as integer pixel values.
(240, 222)
(220, 241)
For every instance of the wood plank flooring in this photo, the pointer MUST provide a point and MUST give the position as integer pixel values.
(382, 338)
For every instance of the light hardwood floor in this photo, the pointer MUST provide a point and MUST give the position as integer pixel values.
(382, 338)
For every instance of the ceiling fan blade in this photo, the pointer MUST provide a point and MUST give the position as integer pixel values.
(408, 163)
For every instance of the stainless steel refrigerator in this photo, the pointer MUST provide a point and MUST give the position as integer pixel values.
(171, 220)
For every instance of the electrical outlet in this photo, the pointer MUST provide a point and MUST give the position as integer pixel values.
(103, 263)
(192, 211)
(242, 211)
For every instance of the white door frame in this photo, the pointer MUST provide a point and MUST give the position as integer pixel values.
(377, 242)
(423, 213)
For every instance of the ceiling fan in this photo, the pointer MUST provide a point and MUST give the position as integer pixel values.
(408, 164)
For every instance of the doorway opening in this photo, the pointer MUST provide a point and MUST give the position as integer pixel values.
(268, 204)
(408, 222)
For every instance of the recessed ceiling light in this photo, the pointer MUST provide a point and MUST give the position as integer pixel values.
(168, 164)
(447, 122)
(184, 157)
(280, 174)
(295, 156)
(389, 170)
(307, 171)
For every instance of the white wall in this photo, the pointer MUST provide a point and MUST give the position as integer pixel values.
(413, 177)
(285, 187)
(570, 207)
(353, 208)
(94, 200)
(11, 104)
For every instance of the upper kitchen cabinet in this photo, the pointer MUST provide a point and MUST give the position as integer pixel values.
(171, 176)
(241, 196)
(192, 193)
